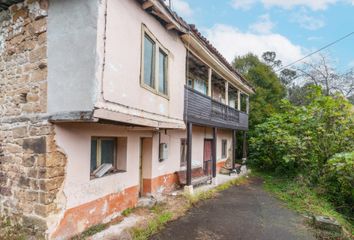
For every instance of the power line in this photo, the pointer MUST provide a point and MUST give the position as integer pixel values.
(322, 48)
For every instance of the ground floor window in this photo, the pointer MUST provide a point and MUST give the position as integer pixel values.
(108, 154)
(183, 152)
(223, 148)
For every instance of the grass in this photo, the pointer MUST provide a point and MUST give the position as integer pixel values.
(91, 231)
(299, 197)
(127, 212)
(204, 195)
(155, 225)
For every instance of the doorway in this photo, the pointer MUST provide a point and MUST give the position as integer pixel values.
(145, 165)
(207, 159)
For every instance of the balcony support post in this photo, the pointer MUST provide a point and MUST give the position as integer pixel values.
(214, 151)
(244, 147)
(247, 104)
(234, 149)
(238, 100)
(210, 73)
(189, 153)
(227, 93)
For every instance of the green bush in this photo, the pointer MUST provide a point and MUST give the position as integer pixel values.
(301, 139)
(338, 181)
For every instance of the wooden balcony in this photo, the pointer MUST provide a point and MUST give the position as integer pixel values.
(201, 109)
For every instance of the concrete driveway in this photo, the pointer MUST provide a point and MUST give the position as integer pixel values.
(241, 212)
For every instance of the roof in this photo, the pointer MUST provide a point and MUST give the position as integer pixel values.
(5, 4)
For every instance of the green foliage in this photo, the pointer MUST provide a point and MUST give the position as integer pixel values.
(269, 89)
(338, 181)
(303, 139)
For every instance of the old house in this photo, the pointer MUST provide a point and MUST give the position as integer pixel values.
(105, 101)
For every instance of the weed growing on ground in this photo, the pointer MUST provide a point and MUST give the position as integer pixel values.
(301, 198)
(204, 195)
(127, 212)
(91, 231)
(13, 232)
(155, 225)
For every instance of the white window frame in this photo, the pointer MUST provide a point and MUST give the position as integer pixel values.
(158, 47)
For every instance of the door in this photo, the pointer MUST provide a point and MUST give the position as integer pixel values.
(145, 165)
(207, 156)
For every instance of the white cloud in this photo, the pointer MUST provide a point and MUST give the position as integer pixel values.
(308, 22)
(351, 64)
(312, 4)
(263, 25)
(314, 38)
(243, 4)
(285, 4)
(232, 42)
(182, 8)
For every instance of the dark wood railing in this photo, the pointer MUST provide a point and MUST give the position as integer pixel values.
(201, 109)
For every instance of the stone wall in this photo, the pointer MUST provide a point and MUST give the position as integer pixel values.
(32, 167)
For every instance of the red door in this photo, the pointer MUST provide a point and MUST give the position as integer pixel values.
(207, 156)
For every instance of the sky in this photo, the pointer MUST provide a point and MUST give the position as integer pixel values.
(291, 28)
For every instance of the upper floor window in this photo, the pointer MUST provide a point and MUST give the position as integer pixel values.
(162, 72)
(154, 64)
(149, 49)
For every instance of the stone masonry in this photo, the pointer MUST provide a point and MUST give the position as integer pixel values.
(32, 167)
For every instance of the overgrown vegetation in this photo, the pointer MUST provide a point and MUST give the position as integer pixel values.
(302, 140)
(301, 198)
(304, 133)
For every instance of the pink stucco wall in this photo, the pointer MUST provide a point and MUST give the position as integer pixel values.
(75, 139)
(121, 80)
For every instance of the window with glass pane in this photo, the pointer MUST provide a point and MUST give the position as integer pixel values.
(103, 150)
(162, 72)
(149, 49)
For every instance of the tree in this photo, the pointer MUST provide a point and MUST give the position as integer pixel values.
(321, 72)
(268, 86)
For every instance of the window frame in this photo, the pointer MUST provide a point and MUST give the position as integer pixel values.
(156, 64)
(223, 154)
(115, 169)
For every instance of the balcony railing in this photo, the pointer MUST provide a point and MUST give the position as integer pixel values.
(201, 109)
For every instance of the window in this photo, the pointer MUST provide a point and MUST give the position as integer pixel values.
(149, 49)
(108, 155)
(223, 148)
(154, 65)
(183, 152)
